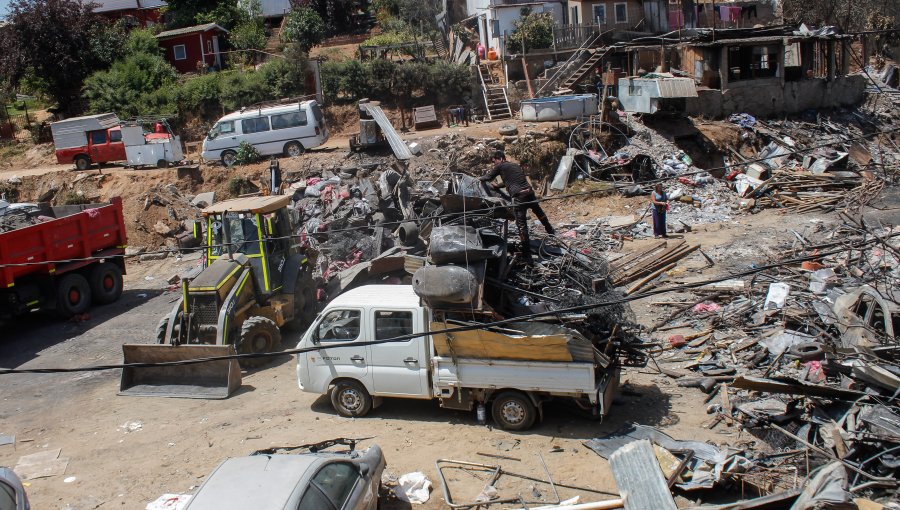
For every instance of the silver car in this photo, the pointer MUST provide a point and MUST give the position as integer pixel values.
(314, 480)
(12, 492)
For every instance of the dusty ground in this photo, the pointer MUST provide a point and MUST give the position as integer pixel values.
(180, 441)
(124, 452)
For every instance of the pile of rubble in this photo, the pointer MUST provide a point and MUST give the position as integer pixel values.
(804, 357)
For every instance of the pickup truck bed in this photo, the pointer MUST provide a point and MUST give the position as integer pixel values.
(553, 377)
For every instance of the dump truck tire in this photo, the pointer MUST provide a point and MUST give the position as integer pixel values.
(513, 411)
(350, 399)
(73, 295)
(258, 335)
(106, 283)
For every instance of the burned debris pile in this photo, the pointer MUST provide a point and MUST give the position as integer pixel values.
(802, 357)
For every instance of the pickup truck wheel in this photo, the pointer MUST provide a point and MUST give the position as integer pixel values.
(350, 399)
(229, 158)
(82, 162)
(513, 411)
(293, 149)
(106, 283)
(258, 335)
(73, 295)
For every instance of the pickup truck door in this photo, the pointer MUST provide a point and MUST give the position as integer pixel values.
(399, 368)
(325, 365)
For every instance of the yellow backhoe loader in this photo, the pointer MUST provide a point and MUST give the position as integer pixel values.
(255, 280)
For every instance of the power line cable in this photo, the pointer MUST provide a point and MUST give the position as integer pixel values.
(403, 338)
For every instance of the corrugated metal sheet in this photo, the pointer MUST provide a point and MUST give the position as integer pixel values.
(640, 480)
(114, 5)
(71, 132)
(123, 5)
(401, 150)
(189, 30)
(676, 87)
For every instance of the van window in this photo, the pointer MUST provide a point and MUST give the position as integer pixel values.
(288, 120)
(115, 136)
(392, 324)
(255, 125)
(221, 128)
(98, 137)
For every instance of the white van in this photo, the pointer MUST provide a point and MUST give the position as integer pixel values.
(287, 129)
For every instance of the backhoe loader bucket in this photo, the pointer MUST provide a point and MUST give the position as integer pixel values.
(212, 380)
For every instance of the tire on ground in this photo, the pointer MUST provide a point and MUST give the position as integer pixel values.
(106, 283)
(350, 399)
(73, 295)
(513, 410)
(258, 335)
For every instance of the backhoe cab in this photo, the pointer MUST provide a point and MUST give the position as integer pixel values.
(255, 279)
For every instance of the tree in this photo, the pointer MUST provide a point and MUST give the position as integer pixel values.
(250, 31)
(533, 29)
(140, 83)
(184, 13)
(57, 42)
(305, 27)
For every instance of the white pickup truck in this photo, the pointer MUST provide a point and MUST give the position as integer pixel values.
(358, 376)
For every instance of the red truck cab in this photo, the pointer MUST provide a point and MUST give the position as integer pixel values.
(88, 140)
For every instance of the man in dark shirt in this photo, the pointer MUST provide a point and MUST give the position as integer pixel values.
(522, 195)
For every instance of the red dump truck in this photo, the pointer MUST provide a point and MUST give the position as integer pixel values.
(67, 260)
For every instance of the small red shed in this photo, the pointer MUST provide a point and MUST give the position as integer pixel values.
(186, 47)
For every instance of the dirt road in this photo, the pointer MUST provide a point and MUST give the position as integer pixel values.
(124, 452)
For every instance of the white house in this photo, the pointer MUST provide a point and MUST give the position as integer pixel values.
(496, 17)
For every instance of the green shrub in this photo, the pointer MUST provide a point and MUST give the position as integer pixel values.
(284, 78)
(247, 153)
(332, 73)
(534, 28)
(356, 79)
(305, 27)
(381, 76)
(243, 89)
(201, 96)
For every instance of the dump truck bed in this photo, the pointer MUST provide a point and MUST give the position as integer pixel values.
(77, 232)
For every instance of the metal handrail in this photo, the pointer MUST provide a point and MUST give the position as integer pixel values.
(554, 78)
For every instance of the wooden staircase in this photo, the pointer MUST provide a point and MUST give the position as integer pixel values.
(585, 69)
(496, 101)
(440, 47)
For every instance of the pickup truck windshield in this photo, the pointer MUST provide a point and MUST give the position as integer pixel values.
(221, 128)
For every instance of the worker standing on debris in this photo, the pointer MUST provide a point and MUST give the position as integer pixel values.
(522, 195)
(659, 201)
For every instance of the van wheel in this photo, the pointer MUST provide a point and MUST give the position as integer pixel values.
(229, 158)
(106, 283)
(82, 162)
(350, 399)
(513, 411)
(293, 149)
(162, 164)
(73, 295)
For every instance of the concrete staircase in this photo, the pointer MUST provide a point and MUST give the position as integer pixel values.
(495, 99)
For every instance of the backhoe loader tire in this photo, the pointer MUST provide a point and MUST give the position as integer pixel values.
(73, 295)
(350, 399)
(161, 330)
(106, 283)
(304, 303)
(258, 335)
